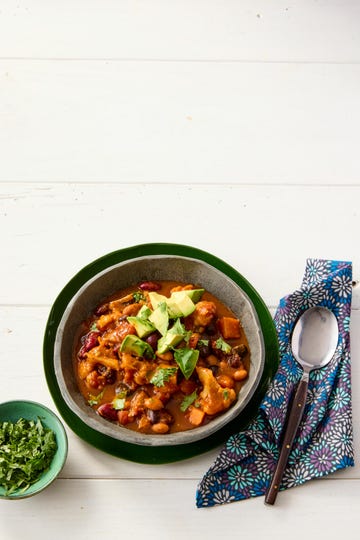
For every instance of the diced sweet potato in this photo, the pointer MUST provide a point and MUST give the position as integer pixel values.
(123, 417)
(229, 327)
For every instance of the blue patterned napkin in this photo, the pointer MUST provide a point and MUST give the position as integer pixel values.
(324, 443)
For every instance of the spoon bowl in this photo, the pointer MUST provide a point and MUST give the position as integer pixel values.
(314, 341)
(315, 338)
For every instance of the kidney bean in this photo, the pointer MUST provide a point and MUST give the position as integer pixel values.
(149, 286)
(101, 310)
(211, 329)
(89, 341)
(234, 360)
(108, 373)
(153, 339)
(107, 411)
(153, 416)
(241, 350)
(204, 350)
(166, 417)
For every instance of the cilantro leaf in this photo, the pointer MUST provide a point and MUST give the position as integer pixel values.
(94, 400)
(162, 375)
(222, 346)
(186, 360)
(138, 296)
(188, 400)
(26, 450)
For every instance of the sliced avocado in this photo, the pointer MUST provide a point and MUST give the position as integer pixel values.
(167, 341)
(142, 326)
(136, 346)
(172, 338)
(160, 318)
(144, 312)
(194, 294)
(180, 305)
(156, 299)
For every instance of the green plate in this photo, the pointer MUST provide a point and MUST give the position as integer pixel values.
(157, 454)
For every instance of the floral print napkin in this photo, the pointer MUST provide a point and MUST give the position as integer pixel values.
(324, 442)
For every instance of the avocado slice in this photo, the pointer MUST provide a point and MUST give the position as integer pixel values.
(173, 337)
(159, 318)
(136, 346)
(142, 326)
(180, 305)
(168, 341)
(144, 312)
(194, 294)
(156, 299)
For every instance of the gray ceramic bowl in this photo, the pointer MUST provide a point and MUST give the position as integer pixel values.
(154, 267)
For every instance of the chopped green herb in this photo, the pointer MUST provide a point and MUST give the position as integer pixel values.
(26, 450)
(94, 400)
(138, 296)
(162, 375)
(186, 360)
(203, 342)
(188, 400)
(222, 345)
(93, 327)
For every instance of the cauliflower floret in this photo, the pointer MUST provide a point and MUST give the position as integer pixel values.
(213, 398)
(204, 313)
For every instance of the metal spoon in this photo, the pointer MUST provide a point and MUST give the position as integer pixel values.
(314, 341)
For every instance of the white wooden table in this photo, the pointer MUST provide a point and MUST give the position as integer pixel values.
(231, 126)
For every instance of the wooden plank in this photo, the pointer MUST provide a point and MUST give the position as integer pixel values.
(162, 509)
(207, 29)
(51, 231)
(176, 122)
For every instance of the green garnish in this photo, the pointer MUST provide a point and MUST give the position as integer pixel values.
(94, 400)
(162, 375)
(186, 360)
(26, 450)
(222, 345)
(118, 403)
(138, 296)
(188, 400)
(93, 327)
(203, 342)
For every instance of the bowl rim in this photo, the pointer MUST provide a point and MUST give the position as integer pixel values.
(165, 453)
(32, 490)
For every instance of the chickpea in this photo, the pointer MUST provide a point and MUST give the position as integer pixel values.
(225, 381)
(160, 428)
(154, 403)
(212, 360)
(240, 374)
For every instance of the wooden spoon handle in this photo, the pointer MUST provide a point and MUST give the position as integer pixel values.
(294, 419)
